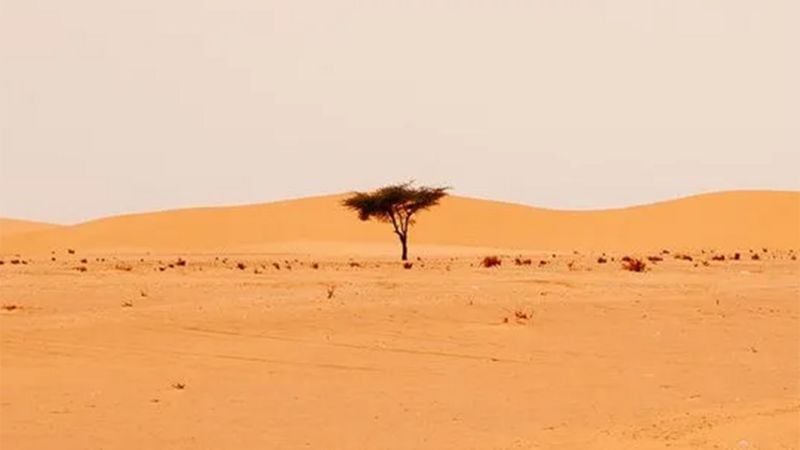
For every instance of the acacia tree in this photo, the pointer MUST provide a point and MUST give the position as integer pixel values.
(396, 204)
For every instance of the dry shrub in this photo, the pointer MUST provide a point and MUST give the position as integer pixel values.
(71, 251)
(408, 265)
(84, 261)
(123, 267)
(542, 263)
(683, 257)
(241, 266)
(127, 304)
(81, 269)
(180, 262)
(11, 307)
(736, 256)
(491, 261)
(331, 291)
(755, 257)
(276, 266)
(179, 386)
(601, 260)
(523, 262)
(718, 258)
(633, 264)
(315, 266)
(655, 259)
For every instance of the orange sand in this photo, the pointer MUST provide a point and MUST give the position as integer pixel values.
(139, 352)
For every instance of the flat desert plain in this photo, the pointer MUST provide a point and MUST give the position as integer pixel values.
(293, 325)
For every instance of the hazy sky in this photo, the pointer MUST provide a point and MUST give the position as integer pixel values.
(111, 106)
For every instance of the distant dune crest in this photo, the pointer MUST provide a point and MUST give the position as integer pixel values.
(727, 220)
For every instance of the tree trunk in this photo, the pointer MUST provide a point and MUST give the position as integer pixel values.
(404, 242)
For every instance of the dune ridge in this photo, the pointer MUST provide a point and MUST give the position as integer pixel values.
(725, 220)
(10, 227)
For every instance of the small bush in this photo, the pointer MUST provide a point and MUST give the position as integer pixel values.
(491, 261)
(355, 264)
(331, 291)
(315, 266)
(81, 269)
(736, 256)
(683, 257)
(755, 257)
(633, 264)
(408, 265)
(718, 258)
(601, 260)
(123, 267)
(15, 261)
(276, 266)
(11, 307)
(542, 263)
(523, 262)
(180, 262)
(127, 304)
(71, 251)
(241, 266)
(179, 386)
(655, 259)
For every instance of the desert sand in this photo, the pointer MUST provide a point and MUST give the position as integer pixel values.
(293, 325)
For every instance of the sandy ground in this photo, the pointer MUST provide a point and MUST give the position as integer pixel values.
(210, 356)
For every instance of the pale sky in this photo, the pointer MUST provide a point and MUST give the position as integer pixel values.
(111, 106)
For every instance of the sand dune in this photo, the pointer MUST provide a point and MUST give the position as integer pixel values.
(13, 226)
(728, 220)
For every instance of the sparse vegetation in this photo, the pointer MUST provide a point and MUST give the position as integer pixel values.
(81, 269)
(601, 260)
(655, 259)
(396, 204)
(11, 307)
(408, 265)
(123, 267)
(683, 257)
(491, 261)
(633, 264)
(180, 262)
(523, 262)
(331, 291)
(755, 257)
(241, 266)
(718, 258)
(179, 386)
(315, 266)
